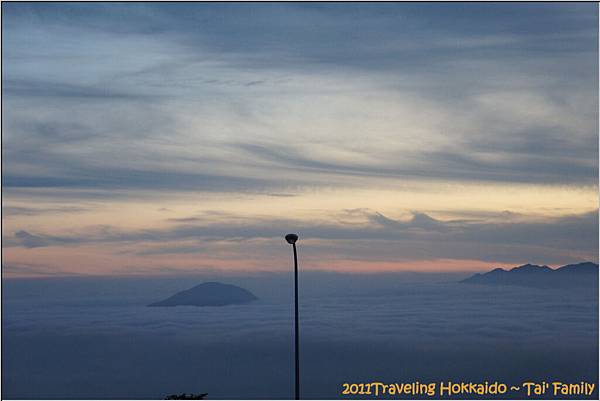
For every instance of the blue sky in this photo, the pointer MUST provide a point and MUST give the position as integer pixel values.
(392, 136)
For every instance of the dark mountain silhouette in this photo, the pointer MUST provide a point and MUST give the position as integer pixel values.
(209, 294)
(575, 275)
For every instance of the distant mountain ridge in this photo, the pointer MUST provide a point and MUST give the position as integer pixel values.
(209, 294)
(574, 275)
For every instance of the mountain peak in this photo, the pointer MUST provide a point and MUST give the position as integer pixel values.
(531, 267)
(210, 293)
(530, 275)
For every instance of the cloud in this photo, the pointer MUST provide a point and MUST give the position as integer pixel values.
(8, 211)
(23, 88)
(502, 98)
(35, 270)
(131, 179)
(282, 195)
(127, 103)
(428, 328)
(418, 221)
(374, 238)
(28, 240)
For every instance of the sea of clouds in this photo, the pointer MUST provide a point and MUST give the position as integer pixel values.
(96, 338)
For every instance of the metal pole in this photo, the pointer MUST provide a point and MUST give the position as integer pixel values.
(296, 321)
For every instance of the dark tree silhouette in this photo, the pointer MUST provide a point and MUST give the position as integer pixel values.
(184, 396)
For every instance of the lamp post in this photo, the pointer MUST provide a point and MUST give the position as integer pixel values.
(291, 239)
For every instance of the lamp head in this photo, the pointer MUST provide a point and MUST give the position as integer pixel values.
(291, 238)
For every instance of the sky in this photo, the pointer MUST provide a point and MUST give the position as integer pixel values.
(174, 138)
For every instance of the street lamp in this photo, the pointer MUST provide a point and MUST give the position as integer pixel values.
(291, 239)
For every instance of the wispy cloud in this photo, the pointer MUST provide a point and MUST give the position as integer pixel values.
(128, 103)
(376, 237)
(31, 211)
(515, 120)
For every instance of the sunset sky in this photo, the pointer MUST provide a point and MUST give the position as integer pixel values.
(173, 138)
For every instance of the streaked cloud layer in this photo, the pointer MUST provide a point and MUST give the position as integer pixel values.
(140, 137)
